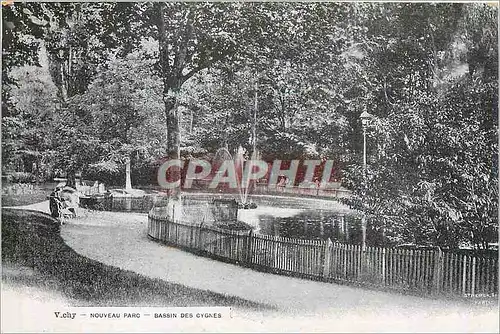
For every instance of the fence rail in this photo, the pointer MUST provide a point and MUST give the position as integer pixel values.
(423, 271)
(296, 190)
(112, 203)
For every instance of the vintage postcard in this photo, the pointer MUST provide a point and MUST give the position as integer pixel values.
(249, 167)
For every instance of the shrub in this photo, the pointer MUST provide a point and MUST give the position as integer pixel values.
(235, 226)
(21, 177)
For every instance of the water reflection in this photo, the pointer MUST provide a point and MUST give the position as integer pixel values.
(313, 224)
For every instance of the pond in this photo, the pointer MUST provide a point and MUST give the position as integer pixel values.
(290, 217)
(302, 222)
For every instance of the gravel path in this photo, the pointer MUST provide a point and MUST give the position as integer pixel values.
(120, 239)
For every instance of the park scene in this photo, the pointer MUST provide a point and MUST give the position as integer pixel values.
(314, 166)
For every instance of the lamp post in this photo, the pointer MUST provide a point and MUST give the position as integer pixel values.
(365, 120)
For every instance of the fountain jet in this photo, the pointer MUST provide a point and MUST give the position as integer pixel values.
(243, 183)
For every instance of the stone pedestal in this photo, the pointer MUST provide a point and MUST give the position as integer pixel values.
(225, 210)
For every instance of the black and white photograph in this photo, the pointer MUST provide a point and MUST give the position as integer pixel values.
(269, 166)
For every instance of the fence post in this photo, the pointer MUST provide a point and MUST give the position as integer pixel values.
(276, 248)
(108, 203)
(346, 257)
(362, 264)
(473, 283)
(128, 204)
(326, 257)
(191, 231)
(383, 265)
(248, 250)
(438, 270)
(199, 236)
(464, 275)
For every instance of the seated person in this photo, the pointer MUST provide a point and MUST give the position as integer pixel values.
(61, 203)
(54, 203)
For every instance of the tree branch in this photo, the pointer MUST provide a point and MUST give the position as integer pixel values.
(181, 52)
(200, 67)
(162, 41)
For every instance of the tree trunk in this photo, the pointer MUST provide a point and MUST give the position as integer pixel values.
(191, 122)
(173, 140)
(71, 178)
(128, 180)
(254, 128)
(171, 84)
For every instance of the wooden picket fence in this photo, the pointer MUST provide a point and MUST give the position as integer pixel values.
(427, 272)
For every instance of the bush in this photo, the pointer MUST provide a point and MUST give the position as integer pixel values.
(235, 226)
(109, 178)
(30, 196)
(21, 177)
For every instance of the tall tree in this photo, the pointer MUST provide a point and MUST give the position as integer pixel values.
(124, 108)
(20, 33)
(33, 100)
(191, 37)
(421, 158)
(76, 42)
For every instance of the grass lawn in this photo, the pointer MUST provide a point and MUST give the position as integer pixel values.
(34, 196)
(36, 256)
(38, 194)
